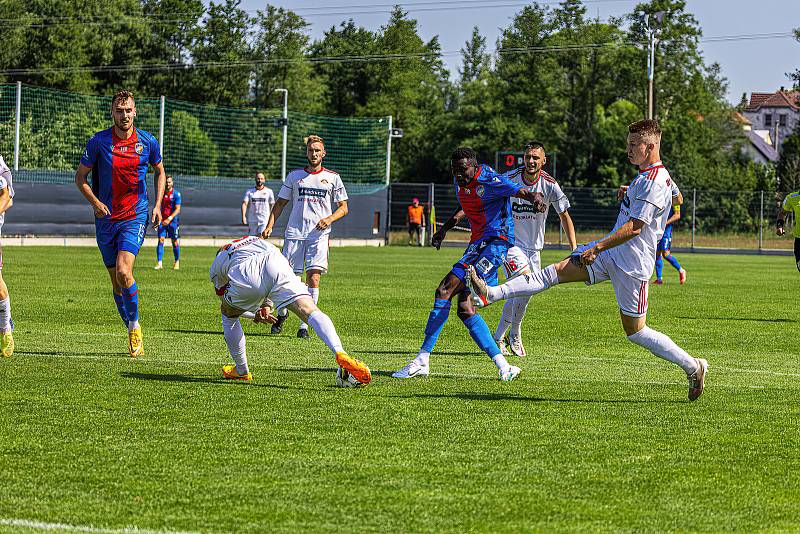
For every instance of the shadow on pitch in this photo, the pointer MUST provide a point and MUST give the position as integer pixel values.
(484, 397)
(217, 332)
(413, 352)
(196, 379)
(756, 319)
(70, 353)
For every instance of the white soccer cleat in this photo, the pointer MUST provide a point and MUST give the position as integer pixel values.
(515, 346)
(509, 373)
(697, 380)
(502, 344)
(477, 287)
(412, 370)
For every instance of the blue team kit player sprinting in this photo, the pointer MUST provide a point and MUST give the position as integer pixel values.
(484, 197)
(118, 159)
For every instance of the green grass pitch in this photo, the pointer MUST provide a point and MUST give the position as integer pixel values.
(595, 436)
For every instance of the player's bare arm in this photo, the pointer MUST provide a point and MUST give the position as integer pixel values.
(161, 184)
(340, 212)
(779, 224)
(172, 216)
(624, 233)
(244, 212)
(537, 199)
(100, 209)
(274, 214)
(5, 201)
(569, 228)
(675, 215)
(438, 237)
(621, 192)
(677, 200)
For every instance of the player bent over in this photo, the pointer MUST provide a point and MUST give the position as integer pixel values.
(118, 159)
(6, 324)
(252, 278)
(626, 256)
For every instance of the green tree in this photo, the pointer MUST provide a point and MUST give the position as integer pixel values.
(198, 152)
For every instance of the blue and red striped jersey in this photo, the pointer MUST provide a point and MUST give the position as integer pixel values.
(486, 201)
(171, 200)
(119, 168)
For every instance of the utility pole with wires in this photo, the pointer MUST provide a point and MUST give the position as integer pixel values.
(652, 24)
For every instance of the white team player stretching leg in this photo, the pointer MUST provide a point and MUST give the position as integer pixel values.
(252, 278)
(312, 191)
(529, 226)
(6, 324)
(626, 256)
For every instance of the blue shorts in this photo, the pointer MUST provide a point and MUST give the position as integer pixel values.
(116, 236)
(665, 243)
(172, 230)
(487, 255)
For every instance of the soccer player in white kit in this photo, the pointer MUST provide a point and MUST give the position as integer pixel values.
(6, 324)
(252, 278)
(626, 256)
(529, 226)
(312, 191)
(256, 206)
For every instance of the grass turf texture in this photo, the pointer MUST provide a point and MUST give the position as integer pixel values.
(596, 435)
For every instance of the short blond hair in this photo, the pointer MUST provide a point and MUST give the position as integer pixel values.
(121, 96)
(314, 138)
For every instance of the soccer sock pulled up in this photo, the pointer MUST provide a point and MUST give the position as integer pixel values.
(234, 338)
(314, 295)
(5, 315)
(480, 333)
(160, 251)
(505, 320)
(525, 285)
(123, 313)
(176, 250)
(673, 261)
(436, 320)
(663, 347)
(324, 328)
(130, 297)
(659, 266)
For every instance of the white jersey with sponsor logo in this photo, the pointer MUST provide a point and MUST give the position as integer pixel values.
(648, 199)
(236, 252)
(259, 204)
(313, 197)
(529, 224)
(5, 181)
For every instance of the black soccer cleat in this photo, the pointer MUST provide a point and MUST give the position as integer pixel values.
(277, 328)
(303, 333)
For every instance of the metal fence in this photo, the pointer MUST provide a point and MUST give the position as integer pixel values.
(743, 220)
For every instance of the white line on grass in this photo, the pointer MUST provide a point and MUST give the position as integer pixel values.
(41, 525)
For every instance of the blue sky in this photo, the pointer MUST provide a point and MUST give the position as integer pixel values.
(749, 65)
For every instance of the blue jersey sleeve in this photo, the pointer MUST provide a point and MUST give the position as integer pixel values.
(155, 151)
(89, 157)
(176, 198)
(497, 185)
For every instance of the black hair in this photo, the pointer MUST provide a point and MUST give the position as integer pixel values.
(533, 144)
(463, 153)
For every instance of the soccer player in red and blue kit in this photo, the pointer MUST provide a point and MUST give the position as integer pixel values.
(170, 225)
(485, 200)
(118, 159)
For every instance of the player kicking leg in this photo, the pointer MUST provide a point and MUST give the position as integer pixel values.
(252, 279)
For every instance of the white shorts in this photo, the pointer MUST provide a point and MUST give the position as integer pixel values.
(255, 228)
(631, 292)
(307, 254)
(517, 259)
(261, 277)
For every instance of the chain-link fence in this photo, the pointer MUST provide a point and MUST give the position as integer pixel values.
(43, 133)
(709, 219)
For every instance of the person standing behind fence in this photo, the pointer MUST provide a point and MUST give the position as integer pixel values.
(312, 190)
(791, 204)
(257, 205)
(6, 324)
(170, 225)
(415, 219)
(118, 159)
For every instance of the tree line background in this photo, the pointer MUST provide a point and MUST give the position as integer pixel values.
(557, 75)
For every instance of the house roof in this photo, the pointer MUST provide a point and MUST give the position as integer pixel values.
(779, 99)
(768, 151)
(741, 119)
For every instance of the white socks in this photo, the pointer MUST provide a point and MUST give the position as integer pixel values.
(525, 285)
(314, 295)
(505, 320)
(513, 314)
(5, 315)
(423, 359)
(323, 326)
(234, 337)
(663, 347)
(501, 362)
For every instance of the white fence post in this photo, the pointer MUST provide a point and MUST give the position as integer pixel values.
(17, 125)
(761, 224)
(694, 212)
(389, 152)
(161, 125)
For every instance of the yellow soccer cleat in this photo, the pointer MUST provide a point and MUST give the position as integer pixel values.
(357, 368)
(135, 342)
(7, 345)
(229, 371)
(177, 265)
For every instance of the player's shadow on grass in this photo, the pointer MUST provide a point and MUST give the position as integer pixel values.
(68, 353)
(477, 396)
(195, 379)
(217, 332)
(756, 319)
(413, 352)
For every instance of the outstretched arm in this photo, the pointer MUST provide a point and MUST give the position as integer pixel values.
(537, 199)
(438, 237)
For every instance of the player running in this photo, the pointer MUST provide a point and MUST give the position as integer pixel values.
(312, 191)
(170, 225)
(257, 205)
(252, 278)
(791, 204)
(119, 158)
(626, 256)
(529, 227)
(6, 324)
(484, 198)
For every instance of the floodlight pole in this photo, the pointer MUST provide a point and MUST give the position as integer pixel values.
(18, 118)
(285, 130)
(658, 18)
(389, 153)
(161, 124)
